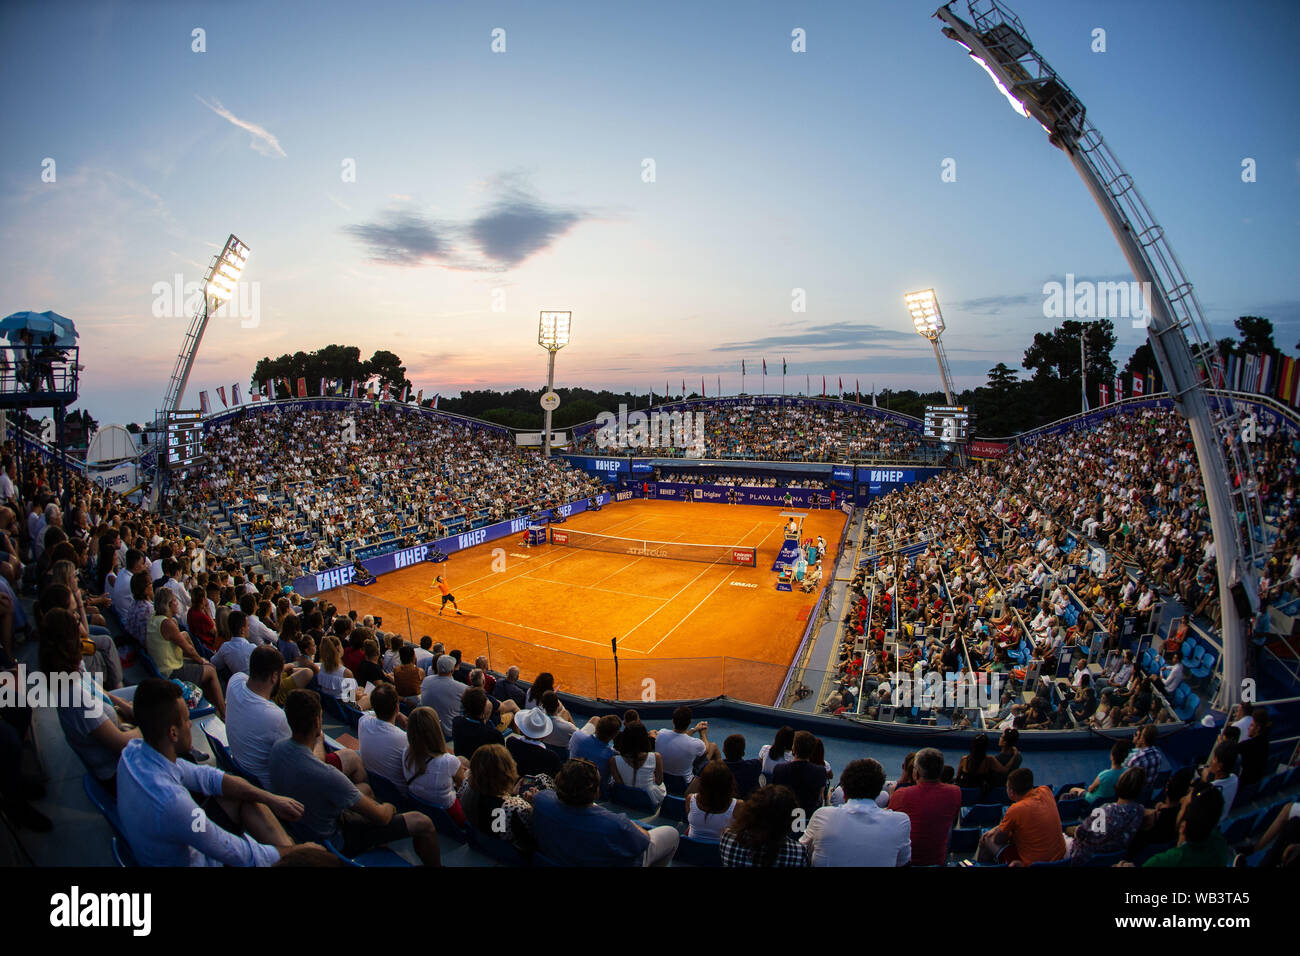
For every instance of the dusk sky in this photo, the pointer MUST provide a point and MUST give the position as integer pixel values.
(516, 178)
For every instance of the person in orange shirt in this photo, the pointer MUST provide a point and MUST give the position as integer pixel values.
(1030, 831)
(447, 597)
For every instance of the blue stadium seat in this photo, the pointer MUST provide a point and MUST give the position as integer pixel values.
(697, 853)
(1188, 710)
(982, 814)
(963, 842)
(442, 821)
(1240, 828)
(1072, 810)
(387, 792)
(341, 710)
(673, 808)
(634, 798)
(503, 851)
(225, 760)
(104, 802)
(675, 784)
(122, 854)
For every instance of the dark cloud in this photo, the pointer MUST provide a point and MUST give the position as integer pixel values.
(401, 238)
(833, 335)
(515, 227)
(519, 226)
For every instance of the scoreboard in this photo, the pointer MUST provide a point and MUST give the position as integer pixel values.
(184, 438)
(947, 423)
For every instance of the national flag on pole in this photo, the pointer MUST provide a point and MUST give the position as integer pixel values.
(1137, 384)
(204, 407)
(764, 366)
(783, 365)
(435, 400)
(288, 388)
(703, 394)
(384, 397)
(857, 390)
(742, 366)
(268, 389)
(302, 386)
(873, 396)
(322, 386)
(1103, 393)
(221, 393)
(352, 389)
(234, 394)
(419, 397)
(823, 386)
(841, 386)
(1119, 389)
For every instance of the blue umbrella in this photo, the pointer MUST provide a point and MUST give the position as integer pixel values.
(40, 324)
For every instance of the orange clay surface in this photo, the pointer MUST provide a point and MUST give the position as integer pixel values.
(685, 629)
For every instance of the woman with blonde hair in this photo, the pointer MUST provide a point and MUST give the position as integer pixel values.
(333, 674)
(174, 654)
(433, 773)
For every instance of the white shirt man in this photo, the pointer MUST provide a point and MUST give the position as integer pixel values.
(443, 693)
(382, 745)
(234, 654)
(859, 833)
(678, 749)
(253, 724)
(259, 633)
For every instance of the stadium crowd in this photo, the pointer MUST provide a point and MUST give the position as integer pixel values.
(315, 487)
(793, 431)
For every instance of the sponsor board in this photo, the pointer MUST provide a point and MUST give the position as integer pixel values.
(742, 556)
(343, 575)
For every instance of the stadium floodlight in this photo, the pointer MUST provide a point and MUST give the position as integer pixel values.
(223, 275)
(1177, 330)
(927, 318)
(553, 329)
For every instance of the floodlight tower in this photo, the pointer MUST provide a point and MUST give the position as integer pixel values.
(218, 287)
(1177, 331)
(928, 320)
(552, 334)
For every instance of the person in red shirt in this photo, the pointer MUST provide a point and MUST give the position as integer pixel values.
(1030, 831)
(932, 807)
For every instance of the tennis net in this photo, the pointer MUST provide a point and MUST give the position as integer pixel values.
(641, 547)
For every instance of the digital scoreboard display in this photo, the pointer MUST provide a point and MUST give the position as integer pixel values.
(184, 438)
(947, 423)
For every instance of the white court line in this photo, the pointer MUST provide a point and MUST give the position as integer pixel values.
(540, 630)
(633, 561)
(588, 587)
(686, 617)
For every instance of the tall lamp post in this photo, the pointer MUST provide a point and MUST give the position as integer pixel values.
(1177, 330)
(928, 320)
(552, 334)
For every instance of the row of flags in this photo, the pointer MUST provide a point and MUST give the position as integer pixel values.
(329, 387)
(1139, 387)
(1276, 376)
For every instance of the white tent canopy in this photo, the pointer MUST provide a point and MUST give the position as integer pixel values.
(110, 445)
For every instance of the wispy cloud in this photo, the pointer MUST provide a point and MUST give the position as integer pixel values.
(832, 335)
(263, 141)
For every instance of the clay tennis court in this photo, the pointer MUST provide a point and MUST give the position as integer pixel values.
(685, 629)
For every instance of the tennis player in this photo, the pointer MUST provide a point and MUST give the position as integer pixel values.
(447, 597)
